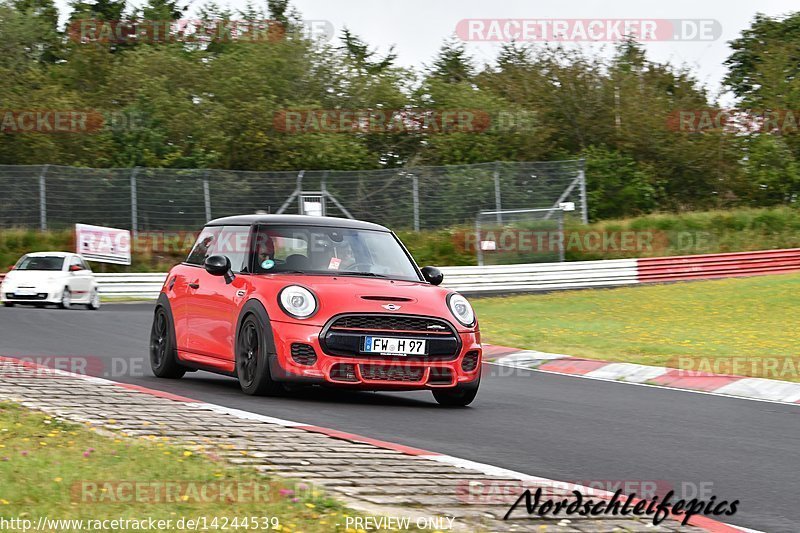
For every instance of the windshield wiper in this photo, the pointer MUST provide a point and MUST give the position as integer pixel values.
(348, 273)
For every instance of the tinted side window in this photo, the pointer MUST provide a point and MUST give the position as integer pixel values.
(232, 243)
(202, 248)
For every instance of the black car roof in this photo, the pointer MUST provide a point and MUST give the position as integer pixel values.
(295, 220)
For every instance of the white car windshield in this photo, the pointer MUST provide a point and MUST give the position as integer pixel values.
(42, 262)
(331, 251)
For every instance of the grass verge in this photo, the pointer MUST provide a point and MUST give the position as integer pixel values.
(741, 326)
(64, 471)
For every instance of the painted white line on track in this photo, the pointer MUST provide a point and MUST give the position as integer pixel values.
(245, 415)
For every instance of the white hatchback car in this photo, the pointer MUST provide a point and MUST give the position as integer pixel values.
(41, 278)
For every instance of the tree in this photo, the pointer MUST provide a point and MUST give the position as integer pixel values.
(108, 10)
(764, 68)
(452, 64)
(361, 58)
(163, 10)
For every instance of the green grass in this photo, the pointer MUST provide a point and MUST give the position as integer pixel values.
(43, 462)
(733, 318)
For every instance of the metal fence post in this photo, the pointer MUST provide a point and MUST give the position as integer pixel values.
(561, 244)
(478, 248)
(297, 192)
(498, 203)
(206, 196)
(134, 210)
(43, 199)
(415, 192)
(584, 201)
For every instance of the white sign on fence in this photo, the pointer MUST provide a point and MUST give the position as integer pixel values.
(103, 245)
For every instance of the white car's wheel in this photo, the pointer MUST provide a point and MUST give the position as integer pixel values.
(94, 300)
(66, 299)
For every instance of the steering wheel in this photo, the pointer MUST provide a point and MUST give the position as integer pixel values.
(353, 267)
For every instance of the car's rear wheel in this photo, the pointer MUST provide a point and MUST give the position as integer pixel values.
(8, 304)
(163, 354)
(252, 360)
(458, 396)
(66, 299)
(94, 300)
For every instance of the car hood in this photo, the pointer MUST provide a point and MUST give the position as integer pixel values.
(31, 277)
(351, 294)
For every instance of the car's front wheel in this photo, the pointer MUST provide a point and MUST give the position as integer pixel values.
(94, 300)
(458, 396)
(8, 304)
(66, 299)
(252, 360)
(163, 354)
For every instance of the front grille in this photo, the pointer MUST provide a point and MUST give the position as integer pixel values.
(391, 323)
(344, 335)
(470, 361)
(40, 296)
(304, 354)
(391, 373)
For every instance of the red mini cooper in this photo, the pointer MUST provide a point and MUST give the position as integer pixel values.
(292, 299)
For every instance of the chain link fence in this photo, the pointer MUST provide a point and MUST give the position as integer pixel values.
(150, 199)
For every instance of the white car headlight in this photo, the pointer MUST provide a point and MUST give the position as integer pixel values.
(461, 309)
(297, 301)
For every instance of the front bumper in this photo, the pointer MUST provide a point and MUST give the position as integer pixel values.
(370, 371)
(40, 297)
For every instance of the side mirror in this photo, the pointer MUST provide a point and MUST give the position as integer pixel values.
(75, 268)
(432, 275)
(219, 265)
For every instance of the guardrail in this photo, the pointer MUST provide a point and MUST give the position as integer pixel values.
(130, 285)
(535, 277)
(737, 264)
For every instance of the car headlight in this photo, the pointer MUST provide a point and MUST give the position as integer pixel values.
(461, 309)
(297, 301)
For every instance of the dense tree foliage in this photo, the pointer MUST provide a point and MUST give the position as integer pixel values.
(218, 102)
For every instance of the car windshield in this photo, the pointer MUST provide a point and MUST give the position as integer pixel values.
(42, 262)
(331, 251)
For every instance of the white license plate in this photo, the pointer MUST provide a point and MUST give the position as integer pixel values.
(394, 346)
(25, 293)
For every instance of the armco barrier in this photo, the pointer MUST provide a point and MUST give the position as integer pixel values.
(540, 276)
(729, 265)
(506, 279)
(468, 280)
(130, 285)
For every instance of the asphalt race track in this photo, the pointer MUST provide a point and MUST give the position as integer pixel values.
(559, 427)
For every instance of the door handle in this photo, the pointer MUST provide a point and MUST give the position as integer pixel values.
(194, 285)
